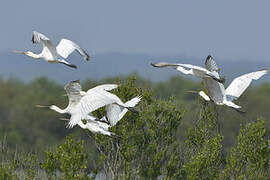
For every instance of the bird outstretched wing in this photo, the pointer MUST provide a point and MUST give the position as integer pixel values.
(115, 113)
(176, 66)
(200, 71)
(210, 64)
(73, 90)
(241, 83)
(106, 87)
(38, 37)
(45, 41)
(73, 87)
(66, 47)
(93, 100)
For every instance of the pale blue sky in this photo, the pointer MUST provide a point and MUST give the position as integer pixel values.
(235, 29)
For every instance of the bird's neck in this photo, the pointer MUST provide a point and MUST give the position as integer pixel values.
(57, 109)
(35, 56)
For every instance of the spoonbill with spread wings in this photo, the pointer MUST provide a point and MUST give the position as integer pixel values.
(80, 107)
(221, 96)
(189, 69)
(52, 53)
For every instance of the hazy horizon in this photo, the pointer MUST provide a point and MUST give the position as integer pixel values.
(236, 33)
(227, 29)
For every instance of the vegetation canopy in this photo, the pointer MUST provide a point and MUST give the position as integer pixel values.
(172, 137)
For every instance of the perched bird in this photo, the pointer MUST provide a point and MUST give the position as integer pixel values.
(80, 107)
(190, 69)
(52, 53)
(216, 91)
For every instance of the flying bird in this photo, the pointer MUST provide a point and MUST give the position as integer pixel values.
(114, 113)
(190, 69)
(80, 107)
(94, 126)
(52, 53)
(221, 96)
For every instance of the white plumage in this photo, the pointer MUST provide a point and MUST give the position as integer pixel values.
(53, 54)
(241, 83)
(217, 92)
(189, 69)
(114, 113)
(80, 106)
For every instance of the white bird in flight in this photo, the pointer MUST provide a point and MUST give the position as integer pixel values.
(80, 106)
(52, 53)
(190, 69)
(114, 113)
(216, 91)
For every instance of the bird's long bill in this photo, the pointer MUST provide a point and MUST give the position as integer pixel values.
(41, 106)
(64, 119)
(20, 52)
(193, 92)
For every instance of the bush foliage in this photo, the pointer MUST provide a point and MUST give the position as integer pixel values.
(157, 143)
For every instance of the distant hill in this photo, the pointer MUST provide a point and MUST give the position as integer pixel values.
(113, 64)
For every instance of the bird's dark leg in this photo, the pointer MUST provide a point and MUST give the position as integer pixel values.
(68, 64)
(239, 111)
(102, 121)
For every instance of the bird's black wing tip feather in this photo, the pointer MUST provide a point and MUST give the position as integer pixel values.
(87, 57)
(76, 81)
(265, 69)
(33, 38)
(153, 64)
(208, 58)
(73, 66)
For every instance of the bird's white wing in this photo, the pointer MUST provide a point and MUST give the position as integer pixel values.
(210, 64)
(66, 47)
(115, 113)
(179, 67)
(112, 113)
(48, 47)
(165, 64)
(73, 90)
(131, 103)
(38, 37)
(73, 87)
(91, 102)
(240, 84)
(193, 67)
(106, 87)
